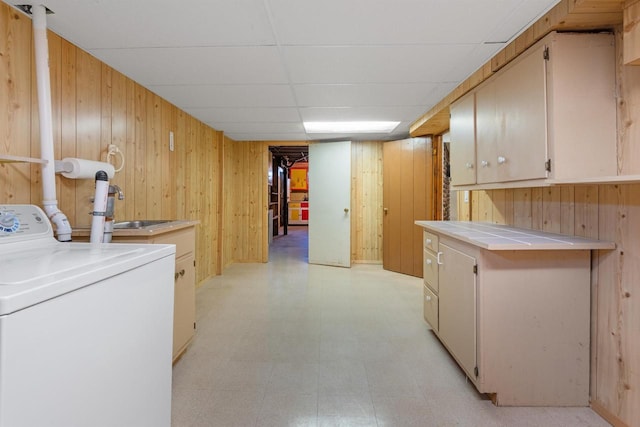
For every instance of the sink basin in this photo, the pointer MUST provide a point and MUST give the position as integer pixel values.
(129, 225)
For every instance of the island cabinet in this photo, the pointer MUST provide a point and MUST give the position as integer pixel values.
(549, 116)
(512, 307)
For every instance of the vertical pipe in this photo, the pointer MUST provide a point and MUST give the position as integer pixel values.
(63, 228)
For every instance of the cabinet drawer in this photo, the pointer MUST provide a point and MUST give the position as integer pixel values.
(430, 270)
(183, 239)
(430, 308)
(430, 241)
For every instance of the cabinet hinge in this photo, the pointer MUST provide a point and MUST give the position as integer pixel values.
(475, 269)
(547, 165)
(475, 371)
(545, 54)
(194, 325)
(194, 262)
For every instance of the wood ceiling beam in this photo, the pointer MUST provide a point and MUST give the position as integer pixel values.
(567, 15)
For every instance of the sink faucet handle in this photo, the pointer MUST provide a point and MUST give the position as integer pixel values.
(116, 189)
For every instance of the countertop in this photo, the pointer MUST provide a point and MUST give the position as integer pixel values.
(495, 237)
(149, 231)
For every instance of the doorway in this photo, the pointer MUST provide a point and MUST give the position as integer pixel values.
(287, 189)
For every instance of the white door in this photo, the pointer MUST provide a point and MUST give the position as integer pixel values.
(330, 203)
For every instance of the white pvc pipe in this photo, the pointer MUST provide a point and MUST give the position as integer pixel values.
(99, 208)
(50, 203)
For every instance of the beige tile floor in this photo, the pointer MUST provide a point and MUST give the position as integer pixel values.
(292, 344)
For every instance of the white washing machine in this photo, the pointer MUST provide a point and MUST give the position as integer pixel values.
(85, 329)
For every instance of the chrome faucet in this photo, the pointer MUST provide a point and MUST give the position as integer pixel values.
(115, 189)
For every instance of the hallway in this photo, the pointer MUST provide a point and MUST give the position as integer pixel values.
(292, 344)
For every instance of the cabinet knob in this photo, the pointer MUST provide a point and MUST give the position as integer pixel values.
(182, 272)
(427, 241)
(427, 298)
(469, 165)
(429, 262)
(346, 210)
(484, 163)
(502, 160)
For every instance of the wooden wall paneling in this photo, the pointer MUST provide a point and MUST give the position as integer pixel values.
(106, 113)
(228, 204)
(474, 199)
(617, 335)
(128, 148)
(220, 205)
(180, 139)
(628, 105)
(509, 206)
(139, 154)
(357, 219)
(168, 206)
(153, 160)
(67, 194)
(407, 183)
(434, 178)
(266, 155)
(485, 206)
(422, 179)
(88, 128)
(522, 208)
(551, 209)
(567, 210)
(119, 138)
(464, 206)
(15, 101)
(537, 208)
(631, 22)
(499, 205)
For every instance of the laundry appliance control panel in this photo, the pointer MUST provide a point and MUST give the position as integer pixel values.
(23, 222)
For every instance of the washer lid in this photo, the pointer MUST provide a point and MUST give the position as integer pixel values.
(32, 274)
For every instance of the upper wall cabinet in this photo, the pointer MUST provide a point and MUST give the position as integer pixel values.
(548, 116)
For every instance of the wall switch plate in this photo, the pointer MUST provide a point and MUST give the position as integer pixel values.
(171, 145)
(466, 196)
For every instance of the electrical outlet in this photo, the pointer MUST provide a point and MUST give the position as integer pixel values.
(171, 145)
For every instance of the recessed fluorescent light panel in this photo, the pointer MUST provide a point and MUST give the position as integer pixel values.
(350, 127)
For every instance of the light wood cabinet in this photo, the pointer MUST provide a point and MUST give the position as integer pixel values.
(548, 116)
(513, 309)
(184, 313)
(463, 136)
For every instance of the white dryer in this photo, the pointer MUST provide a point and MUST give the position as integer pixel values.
(85, 329)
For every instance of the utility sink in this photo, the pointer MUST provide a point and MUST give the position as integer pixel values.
(137, 224)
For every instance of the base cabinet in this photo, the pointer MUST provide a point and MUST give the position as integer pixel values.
(516, 321)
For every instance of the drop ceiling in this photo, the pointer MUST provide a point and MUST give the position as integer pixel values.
(256, 69)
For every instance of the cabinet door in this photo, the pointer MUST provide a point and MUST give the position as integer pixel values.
(463, 141)
(520, 95)
(457, 306)
(184, 312)
(486, 133)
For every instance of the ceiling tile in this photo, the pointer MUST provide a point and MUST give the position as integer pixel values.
(197, 65)
(201, 96)
(340, 22)
(160, 23)
(244, 114)
(361, 113)
(262, 136)
(348, 95)
(275, 127)
(377, 64)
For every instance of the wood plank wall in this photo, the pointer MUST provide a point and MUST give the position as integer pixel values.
(608, 212)
(246, 205)
(93, 106)
(245, 177)
(366, 202)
